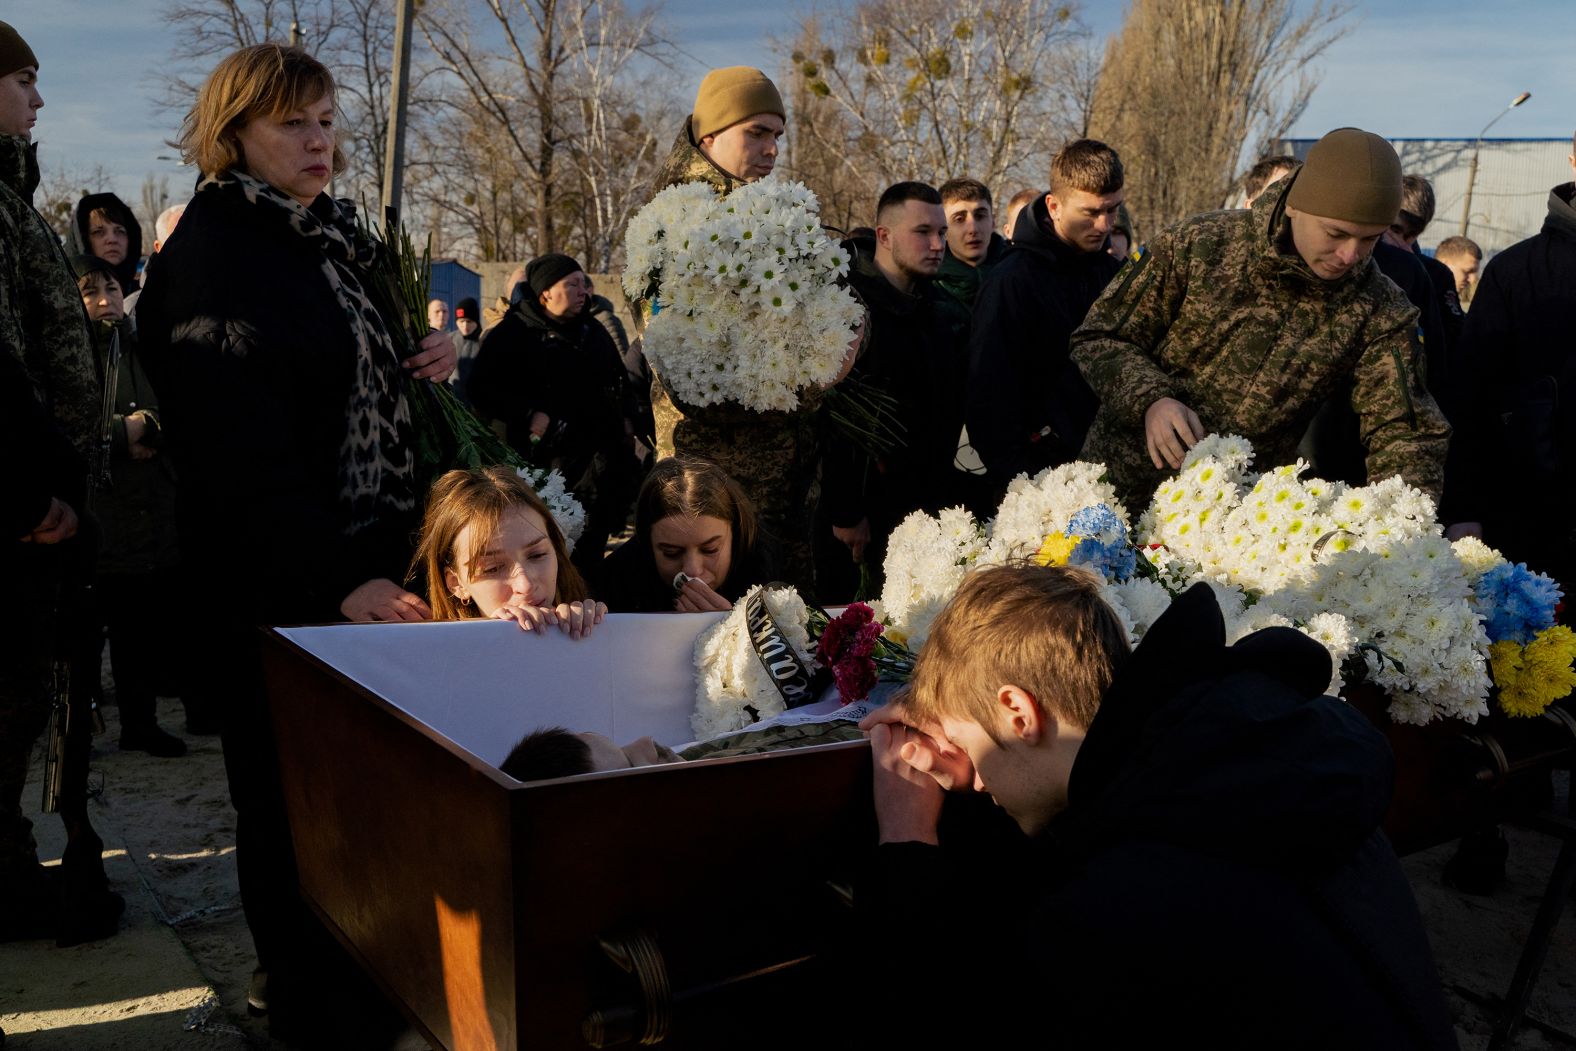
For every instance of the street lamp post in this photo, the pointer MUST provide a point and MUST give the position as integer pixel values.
(1466, 207)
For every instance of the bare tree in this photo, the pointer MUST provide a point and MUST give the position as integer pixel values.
(932, 89)
(154, 199)
(612, 148)
(1187, 85)
(1075, 78)
(544, 98)
(817, 144)
(353, 38)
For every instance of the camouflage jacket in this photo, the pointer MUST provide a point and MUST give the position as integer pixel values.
(1215, 315)
(41, 312)
(685, 163)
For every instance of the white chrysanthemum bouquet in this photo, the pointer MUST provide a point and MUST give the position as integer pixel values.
(1363, 571)
(567, 512)
(733, 688)
(746, 307)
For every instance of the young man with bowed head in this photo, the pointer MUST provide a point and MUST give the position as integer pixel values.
(1028, 408)
(1244, 321)
(1197, 857)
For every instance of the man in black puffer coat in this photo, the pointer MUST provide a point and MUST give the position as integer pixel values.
(1204, 864)
(1519, 354)
(551, 373)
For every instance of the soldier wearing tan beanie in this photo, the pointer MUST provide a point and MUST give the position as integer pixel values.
(737, 120)
(1245, 322)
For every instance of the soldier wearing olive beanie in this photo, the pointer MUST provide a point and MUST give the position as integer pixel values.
(14, 52)
(1351, 175)
(1245, 322)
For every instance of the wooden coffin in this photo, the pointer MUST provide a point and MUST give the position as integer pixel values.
(655, 905)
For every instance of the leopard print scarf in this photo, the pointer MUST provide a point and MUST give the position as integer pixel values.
(377, 463)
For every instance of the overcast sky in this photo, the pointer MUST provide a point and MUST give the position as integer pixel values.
(1407, 68)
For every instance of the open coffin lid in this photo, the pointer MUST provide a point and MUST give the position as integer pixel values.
(492, 910)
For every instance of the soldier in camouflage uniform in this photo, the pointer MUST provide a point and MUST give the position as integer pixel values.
(1244, 321)
(52, 390)
(731, 139)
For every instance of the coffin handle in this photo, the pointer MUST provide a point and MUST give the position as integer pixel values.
(635, 953)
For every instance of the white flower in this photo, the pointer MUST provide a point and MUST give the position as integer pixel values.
(760, 316)
(927, 558)
(567, 512)
(729, 675)
(1476, 556)
(1033, 509)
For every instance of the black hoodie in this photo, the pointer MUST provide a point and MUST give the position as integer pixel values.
(1028, 406)
(1217, 877)
(1518, 354)
(78, 242)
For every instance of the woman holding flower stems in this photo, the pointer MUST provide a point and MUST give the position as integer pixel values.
(286, 411)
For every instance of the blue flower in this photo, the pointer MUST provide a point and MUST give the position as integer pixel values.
(1103, 545)
(1515, 602)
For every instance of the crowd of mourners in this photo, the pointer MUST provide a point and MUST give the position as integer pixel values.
(211, 433)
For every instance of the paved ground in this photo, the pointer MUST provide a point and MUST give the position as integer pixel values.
(175, 976)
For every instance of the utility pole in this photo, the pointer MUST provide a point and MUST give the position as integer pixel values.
(394, 155)
(1466, 207)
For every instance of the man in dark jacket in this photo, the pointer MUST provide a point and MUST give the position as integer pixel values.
(467, 339)
(1518, 348)
(1203, 861)
(554, 378)
(1028, 408)
(913, 358)
(103, 227)
(973, 250)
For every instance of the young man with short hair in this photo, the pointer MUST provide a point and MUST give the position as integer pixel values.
(1015, 205)
(914, 357)
(1266, 171)
(1200, 859)
(1464, 258)
(1028, 408)
(973, 250)
(1244, 321)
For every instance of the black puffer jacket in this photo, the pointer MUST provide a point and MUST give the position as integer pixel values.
(1217, 877)
(1028, 406)
(568, 369)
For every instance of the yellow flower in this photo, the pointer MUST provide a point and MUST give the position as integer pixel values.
(1055, 550)
(1531, 677)
(895, 635)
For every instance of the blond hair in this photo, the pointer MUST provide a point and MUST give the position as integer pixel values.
(1045, 630)
(480, 498)
(264, 80)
